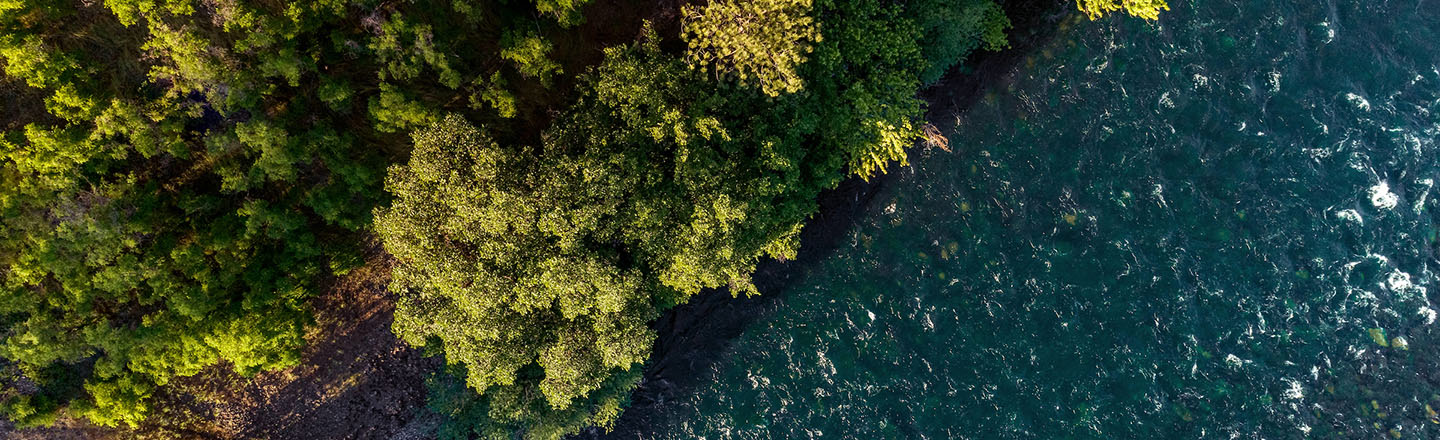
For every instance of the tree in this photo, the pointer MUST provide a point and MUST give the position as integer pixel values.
(951, 29)
(566, 12)
(530, 53)
(499, 262)
(1147, 9)
(141, 242)
(757, 42)
(177, 177)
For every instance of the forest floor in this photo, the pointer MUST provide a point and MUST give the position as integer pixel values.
(356, 380)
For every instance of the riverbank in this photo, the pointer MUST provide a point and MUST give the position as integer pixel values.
(693, 336)
(1219, 224)
(357, 381)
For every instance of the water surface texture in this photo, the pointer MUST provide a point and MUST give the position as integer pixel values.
(1222, 225)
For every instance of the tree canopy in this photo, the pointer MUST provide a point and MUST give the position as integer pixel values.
(179, 175)
(758, 42)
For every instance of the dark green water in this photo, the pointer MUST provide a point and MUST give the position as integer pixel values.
(1221, 226)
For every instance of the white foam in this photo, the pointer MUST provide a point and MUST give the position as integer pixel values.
(1420, 201)
(1351, 215)
(1233, 360)
(1294, 391)
(1358, 101)
(1363, 298)
(1381, 197)
(1201, 81)
(1398, 281)
(1358, 162)
(1428, 313)
(1165, 100)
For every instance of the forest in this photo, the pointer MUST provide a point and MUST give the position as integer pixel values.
(178, 178)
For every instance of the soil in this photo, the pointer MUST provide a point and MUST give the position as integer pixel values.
(357, 381)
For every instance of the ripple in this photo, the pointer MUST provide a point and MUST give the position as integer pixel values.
(1122, 254)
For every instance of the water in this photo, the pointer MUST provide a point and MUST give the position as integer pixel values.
(1221, 226)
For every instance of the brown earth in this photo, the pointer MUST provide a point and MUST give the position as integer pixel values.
(355, 380)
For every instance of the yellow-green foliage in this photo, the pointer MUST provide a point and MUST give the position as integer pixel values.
(566, 12)
(1147, 9)
(757, 42)
(494, 95)
(530, 53)
(478, 243)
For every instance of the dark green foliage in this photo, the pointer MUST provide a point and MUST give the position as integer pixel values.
(954, 28)
(502, 413)
(195, 170)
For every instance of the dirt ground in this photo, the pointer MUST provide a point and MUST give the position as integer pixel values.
(356, 380)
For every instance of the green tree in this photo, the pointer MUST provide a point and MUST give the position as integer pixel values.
(496, 249)
(135, 247)
(1147, 9)
(757, 42)
(178, 176)
(566, 12)
(952, 29)
(530, 53)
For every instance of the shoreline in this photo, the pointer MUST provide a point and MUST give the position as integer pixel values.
(356, 380)
(693, 336)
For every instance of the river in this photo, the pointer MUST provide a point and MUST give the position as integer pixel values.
(1219, 225)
